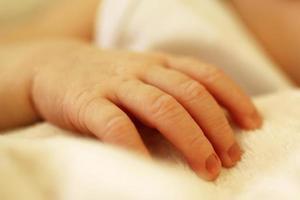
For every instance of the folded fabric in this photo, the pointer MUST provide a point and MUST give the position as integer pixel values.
(43, 162)
(205, 29)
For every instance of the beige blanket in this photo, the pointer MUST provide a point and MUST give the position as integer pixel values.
(44, 162)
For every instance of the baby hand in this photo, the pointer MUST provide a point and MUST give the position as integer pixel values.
(94, 92)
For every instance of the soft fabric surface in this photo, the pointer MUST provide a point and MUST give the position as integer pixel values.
(44, 162)
(206, 29)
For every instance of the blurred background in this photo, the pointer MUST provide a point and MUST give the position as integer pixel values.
(15, 10)
(274, 23)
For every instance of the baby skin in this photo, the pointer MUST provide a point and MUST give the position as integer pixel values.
(82, 88)
(91, 91)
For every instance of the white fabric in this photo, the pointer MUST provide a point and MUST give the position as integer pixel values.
(206, 29)
(44, 162)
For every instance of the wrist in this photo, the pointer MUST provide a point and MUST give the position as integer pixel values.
(19, 65)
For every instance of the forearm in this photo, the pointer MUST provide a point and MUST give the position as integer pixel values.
(19, 62)
(66, 19)
(15, 83)
(59, 19)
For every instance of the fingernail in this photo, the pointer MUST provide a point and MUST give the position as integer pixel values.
(213, 164)
(234, 153)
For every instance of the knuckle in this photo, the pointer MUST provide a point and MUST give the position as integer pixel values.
(163, 106)
(196, 143)
(190, 61)
(83, 112)
(115, 127)
(213, 74)
(219, 123)
(192, 90)
(218, 120)
(76, 108)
